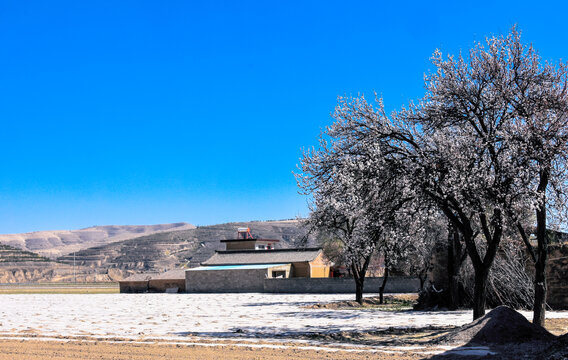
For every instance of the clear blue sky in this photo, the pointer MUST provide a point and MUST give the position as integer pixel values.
(140, 112)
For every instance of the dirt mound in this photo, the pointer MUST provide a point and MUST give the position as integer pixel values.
(501, 325)
(390, 301)
(558, 350)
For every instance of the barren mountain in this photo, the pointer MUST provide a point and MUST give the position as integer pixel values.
(20, 266)
(53, 244)
(183, 245)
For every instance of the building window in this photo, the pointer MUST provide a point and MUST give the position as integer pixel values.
(279, 274)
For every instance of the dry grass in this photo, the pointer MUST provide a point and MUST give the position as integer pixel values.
(392, 302)
(61, 288)
(557, 326)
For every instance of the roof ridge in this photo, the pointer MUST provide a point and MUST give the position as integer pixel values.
(252, 239)
(267, 251)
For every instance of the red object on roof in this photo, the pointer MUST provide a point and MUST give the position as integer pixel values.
(244, 233)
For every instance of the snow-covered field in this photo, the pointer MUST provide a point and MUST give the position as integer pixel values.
(174, 316)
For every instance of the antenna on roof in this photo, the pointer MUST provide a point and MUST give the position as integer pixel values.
(244, 233)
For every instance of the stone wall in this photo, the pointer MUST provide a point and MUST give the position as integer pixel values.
(133, 286)
(247, 280)
(160, 285)
(400, 284)
(557, 276)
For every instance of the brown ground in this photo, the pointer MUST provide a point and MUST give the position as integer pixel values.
(557, 326)
(394, 302)
(49, 350)
(389, 344)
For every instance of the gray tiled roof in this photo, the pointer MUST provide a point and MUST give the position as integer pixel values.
(251, 240)
(140, 277)
(236, 257)
(175, 274)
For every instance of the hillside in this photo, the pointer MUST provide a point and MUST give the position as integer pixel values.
(9, 254)
(183, 245)
(167, 250)
(20, 266)
(53, 244)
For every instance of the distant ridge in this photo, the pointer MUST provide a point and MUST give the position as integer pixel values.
(53, 244)
(111, 253)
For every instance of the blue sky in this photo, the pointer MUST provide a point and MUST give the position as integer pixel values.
(140, 112)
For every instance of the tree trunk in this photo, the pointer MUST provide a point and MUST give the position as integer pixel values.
(480, 292)
(481, 265)
(359, 283)
(454, 265)
(383, 285)
(359, 277)
(422, 278)
(540, 287)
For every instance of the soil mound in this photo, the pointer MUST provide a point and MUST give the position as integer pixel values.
(558, 350)
(501, 325)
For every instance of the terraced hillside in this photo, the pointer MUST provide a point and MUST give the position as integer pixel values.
(163, 251)
(9, 254)
(20, 266)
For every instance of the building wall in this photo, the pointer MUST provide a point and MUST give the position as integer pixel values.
(160, 285)
(247, 244)
(211, 281)
(250, 280)
(240, 245)
(319, 267)
(401, 284)
(133, 286)
(301, 269)
(557, 273)
(287, 269)
(557, 276)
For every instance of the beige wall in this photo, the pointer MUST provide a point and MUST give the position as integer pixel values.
(319, 267)
(286, 268)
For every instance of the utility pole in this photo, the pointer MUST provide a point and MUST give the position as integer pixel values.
(74, 274)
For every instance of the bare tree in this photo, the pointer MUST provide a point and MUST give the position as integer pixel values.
(516, 108)
(538, 93)
(336, 209)
(485, 142)
(356, 200)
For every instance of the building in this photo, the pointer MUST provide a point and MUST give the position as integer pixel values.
(247, 261)
(137, 283)
(172, 281)
(250, 264)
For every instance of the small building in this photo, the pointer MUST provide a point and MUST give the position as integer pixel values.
(305, 262)
(248, 261)
(245, 241)
(172, 281)
(244, 266)
(137, 283)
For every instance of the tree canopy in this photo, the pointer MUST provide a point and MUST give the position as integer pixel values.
(486, 144)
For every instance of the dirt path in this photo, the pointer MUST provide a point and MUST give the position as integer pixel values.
(102, 350)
